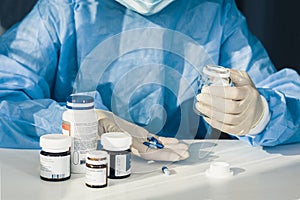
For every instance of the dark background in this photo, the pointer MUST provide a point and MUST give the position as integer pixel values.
(275, 23)
(12, 11)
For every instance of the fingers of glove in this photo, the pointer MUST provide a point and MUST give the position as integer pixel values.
(137, 143)
(239, 129)
(177, 147)
(165, 154)
(173, 150)
(226, 118)
(161, 154)
(226, 92)
(240, 78)
(101, 114)
(168, 140)
(221, 126)
(207, 103)
(105, 126)
(170, 152)
(164, 140)
(132, 129)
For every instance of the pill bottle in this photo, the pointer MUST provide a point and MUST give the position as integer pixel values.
(117, 145)
(212, 75)
(55, 157)
(80, 121)
(96, 169)
(216, 75)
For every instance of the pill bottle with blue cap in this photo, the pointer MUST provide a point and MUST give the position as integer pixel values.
(80, 121)
(55, 157)
(117, 145)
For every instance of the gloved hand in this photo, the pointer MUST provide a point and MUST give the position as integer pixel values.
(173, 150)
(234, 110)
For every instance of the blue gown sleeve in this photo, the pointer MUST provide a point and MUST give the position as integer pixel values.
(282, 91)
(241, 50)
(28, 60)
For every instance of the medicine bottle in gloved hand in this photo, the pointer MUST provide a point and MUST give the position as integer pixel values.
(212, 75)
(237, 110)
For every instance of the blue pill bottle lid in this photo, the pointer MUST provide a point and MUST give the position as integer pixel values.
(80, 102)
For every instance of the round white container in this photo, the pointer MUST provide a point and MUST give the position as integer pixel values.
(55, 157)
(80, 121)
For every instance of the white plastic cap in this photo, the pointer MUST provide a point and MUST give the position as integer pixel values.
(116, 141)
(97, 157)
(216, 71)
(219, 170)
(55, 143)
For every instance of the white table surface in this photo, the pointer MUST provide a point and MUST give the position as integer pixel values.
(259, 173)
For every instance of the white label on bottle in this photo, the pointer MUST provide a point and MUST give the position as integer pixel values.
(95, 176)
(84, 129)
(108, 165)
(55, 167)
(84, 139)
(122, 165)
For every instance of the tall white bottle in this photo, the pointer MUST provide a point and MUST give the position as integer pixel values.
(80, 121)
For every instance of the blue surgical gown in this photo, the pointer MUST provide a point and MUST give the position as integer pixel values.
(145, 69)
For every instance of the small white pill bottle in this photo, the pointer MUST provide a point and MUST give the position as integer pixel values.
(80, 121)
(96, 169)
(55, 157)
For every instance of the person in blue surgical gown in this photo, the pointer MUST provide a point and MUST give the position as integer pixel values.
(141, 60)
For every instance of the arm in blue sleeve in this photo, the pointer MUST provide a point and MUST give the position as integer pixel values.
(38, 65)
(241, 50)
(28, 60)
(281, 90)
(22, 123)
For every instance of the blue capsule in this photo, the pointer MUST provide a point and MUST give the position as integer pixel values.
(150, 145)
(153, 145)
(152, 139)
(154, 142)
(165, 170)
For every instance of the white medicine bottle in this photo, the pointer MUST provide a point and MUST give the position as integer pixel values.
(216, 75)
(212, 75)
(80, 121)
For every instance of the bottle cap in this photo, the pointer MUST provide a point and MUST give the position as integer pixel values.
(116, 141)
(55, 143)
(219, 170)
(216, 71)
(80, 102)
(97, 157)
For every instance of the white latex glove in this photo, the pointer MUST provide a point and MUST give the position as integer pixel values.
(234, 110)
(173, 150)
